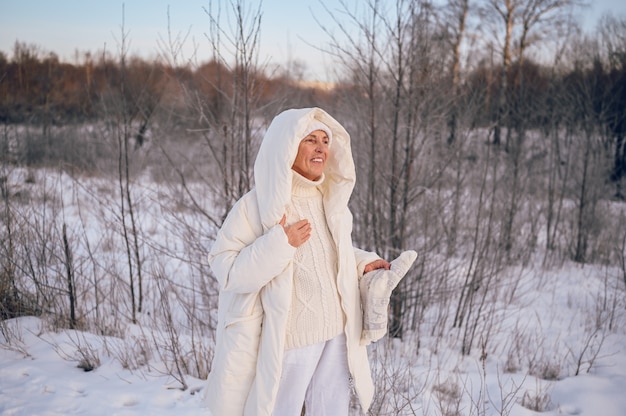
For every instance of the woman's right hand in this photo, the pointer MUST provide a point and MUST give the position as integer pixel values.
(297, 233)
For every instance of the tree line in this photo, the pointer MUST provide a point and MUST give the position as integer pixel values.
(38, 89)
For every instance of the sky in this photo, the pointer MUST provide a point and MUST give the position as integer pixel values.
(289, 30)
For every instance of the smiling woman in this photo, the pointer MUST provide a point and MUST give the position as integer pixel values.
(313, 151)
(289, 318)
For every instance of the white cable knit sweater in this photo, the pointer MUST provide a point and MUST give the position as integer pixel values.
(315, 313)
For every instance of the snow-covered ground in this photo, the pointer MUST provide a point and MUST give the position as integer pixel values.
(41, 374)
(554, 339)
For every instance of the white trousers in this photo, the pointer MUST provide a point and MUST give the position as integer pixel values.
(318, 376)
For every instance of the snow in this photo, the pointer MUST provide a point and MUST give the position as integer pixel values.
(40, 377)
(39, 373)
(556, 342)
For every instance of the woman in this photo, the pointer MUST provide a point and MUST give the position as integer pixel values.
(289, 317)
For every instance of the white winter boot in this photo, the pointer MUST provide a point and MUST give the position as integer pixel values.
(376, 287)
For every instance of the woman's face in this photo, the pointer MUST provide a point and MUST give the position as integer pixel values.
(312, 155)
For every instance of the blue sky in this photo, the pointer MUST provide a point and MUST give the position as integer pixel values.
(65, 26)
(288, 27)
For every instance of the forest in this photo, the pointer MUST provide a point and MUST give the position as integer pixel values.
(488, 136)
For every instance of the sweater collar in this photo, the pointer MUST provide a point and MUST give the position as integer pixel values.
(302, 186)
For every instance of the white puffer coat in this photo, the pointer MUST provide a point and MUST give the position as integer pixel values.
(252, 261)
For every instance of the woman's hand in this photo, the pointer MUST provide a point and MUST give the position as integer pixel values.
(297, 233)
(378, 264)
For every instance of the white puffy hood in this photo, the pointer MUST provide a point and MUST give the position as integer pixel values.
(272, 169)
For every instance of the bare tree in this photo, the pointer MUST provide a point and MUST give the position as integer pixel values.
(587, 112)
(123, 135)
(9, 295)
(613, 47)
(504, 12)
(519, 24)
(621, 249)
(129, 107)
(71, 285)
(394, 67)
(553, 127)
(361, 56)
(229, 123)
(455, 15)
